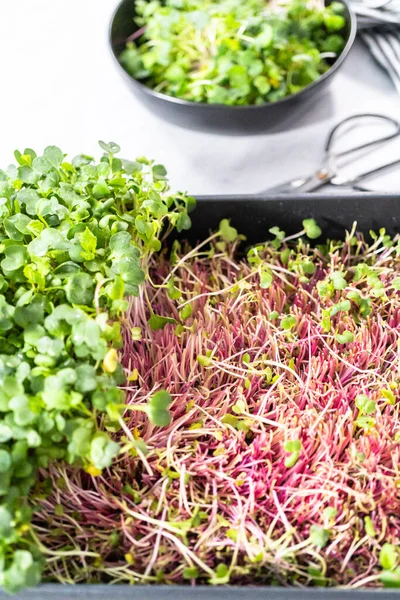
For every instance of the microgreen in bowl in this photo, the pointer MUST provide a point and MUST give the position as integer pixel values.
(232, 52)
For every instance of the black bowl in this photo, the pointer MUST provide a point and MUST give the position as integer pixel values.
(273, 116)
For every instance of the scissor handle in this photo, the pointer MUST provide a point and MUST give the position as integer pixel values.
(375, 171)
(379, 140)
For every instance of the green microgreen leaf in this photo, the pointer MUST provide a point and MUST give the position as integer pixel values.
(136, 333)
(388, 556)
(294, 448)
(23, 571)
(88, 242)
(279, 237)
(228, 233)
(16, 257)
(173, 291)
(288, 322)
(157, 408)
(158, 322)
(311, 228)
(330, 513)
(391, 579)
(186, 312)
(190, 573)
(365, 405)
(6, 528)
(102, 451)
(110, 148)
(266, 279)
(396, 283)
(369, 527)
(364, 304)
(221, 575)
(338, 280)
(204, 361)
(389, 396)
(342, 306)
(345, 337)
(319, 536)
(80, 288)
(5, 461)
(365, 422)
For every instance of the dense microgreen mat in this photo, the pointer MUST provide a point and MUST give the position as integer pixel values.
(171, 414)
(233, 52)
(276, 378)
(75, 240)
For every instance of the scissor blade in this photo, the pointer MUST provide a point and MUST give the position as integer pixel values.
(308, 184)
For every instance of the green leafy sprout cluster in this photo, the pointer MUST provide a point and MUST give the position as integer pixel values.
(232, 52)
(75, 241)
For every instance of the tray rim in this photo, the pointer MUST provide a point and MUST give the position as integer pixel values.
(317, 196)
(54, 591)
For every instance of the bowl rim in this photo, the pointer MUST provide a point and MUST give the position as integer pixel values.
(351, 21)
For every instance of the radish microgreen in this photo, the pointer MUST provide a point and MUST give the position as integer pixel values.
(76, 240)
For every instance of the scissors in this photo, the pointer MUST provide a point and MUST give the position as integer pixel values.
(329, 171)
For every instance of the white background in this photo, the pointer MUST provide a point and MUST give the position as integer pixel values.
(60, 85)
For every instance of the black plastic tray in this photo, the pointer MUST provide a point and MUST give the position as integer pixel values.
(254, 216)
(162, 592)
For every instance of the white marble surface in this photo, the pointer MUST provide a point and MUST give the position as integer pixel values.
(60, 86)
